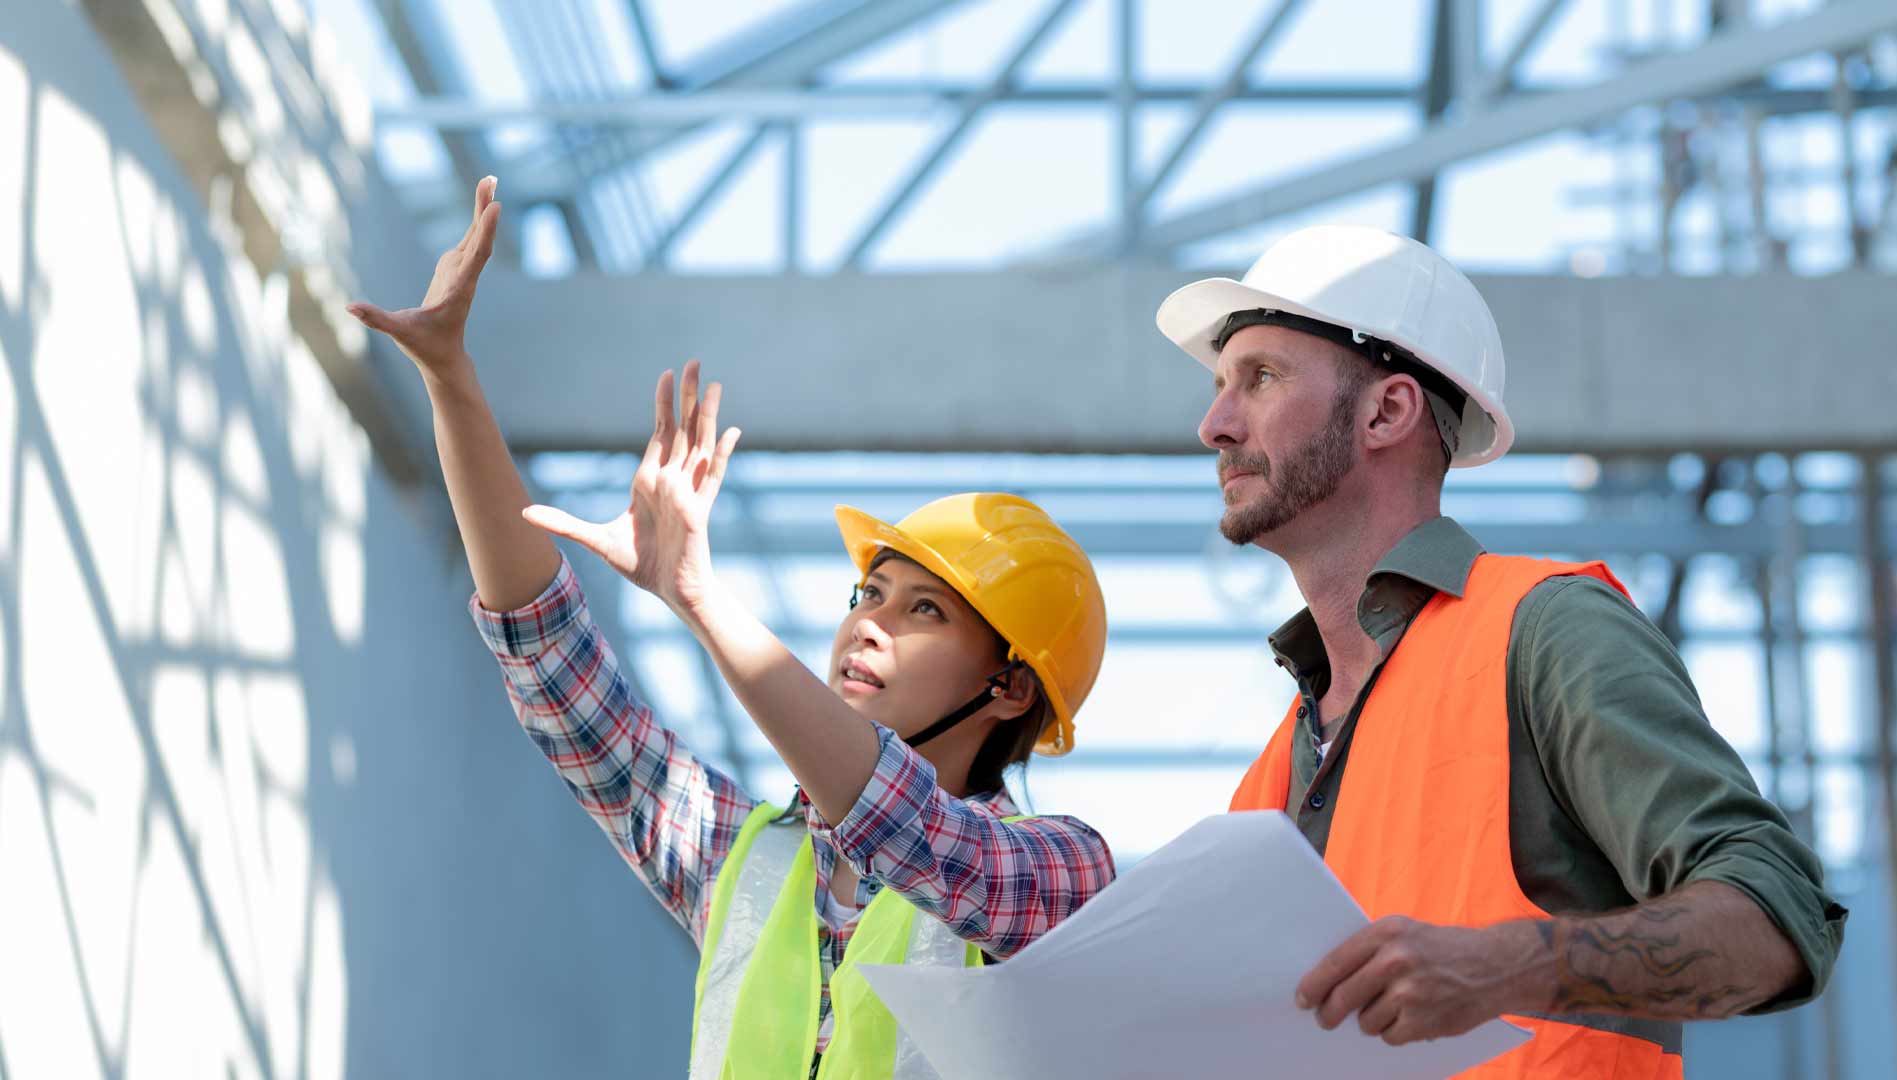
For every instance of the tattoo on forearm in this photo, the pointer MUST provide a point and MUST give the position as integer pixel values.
(1650, 961)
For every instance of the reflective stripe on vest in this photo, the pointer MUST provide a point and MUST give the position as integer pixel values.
(760, 978)
(742, 898)
(1420, 826)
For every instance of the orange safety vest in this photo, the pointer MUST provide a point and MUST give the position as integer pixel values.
(1421, 823)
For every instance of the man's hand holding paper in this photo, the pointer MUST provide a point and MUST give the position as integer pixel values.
(1187, 966)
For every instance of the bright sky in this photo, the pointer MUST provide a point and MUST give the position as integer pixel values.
(1029, 175)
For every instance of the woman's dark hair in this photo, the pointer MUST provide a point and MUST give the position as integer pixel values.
(1011, 743)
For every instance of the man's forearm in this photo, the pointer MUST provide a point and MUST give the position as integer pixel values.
(1702, 952)
(512, 561)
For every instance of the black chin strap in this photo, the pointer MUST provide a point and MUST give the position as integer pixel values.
(997, 683)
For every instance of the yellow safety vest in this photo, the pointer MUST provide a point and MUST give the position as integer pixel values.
(760, 978)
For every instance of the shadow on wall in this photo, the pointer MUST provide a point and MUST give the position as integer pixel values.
(263, 810)
(184, 513)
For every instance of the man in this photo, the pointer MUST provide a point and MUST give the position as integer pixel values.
(1501, 759)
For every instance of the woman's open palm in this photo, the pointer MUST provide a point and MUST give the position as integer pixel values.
(433, 332)
(661, 542)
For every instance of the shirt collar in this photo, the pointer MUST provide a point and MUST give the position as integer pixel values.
(1436, 556)
(1438, 553)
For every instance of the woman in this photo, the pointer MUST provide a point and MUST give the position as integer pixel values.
(975, 634)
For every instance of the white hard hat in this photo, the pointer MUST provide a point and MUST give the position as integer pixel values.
(1376, 285)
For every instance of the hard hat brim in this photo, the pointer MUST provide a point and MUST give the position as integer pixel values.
(1194, 314)
(864, 535)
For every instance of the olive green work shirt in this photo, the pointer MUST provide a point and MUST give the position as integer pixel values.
(1620, 790)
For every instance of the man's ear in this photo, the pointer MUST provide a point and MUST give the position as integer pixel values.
(1400, 409)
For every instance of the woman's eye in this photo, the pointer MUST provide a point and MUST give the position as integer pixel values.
(870, 592)
(928, 607)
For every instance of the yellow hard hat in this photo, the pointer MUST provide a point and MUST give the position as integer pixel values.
(1019, 571)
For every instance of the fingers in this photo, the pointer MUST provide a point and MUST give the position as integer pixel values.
(723, 456)
(560, 523)
(1358, 990)
(486, 226)
(688, 412)
(1338, 965)
(664, 422)
(483, 193)
(1401, 1032)
(654, 450)
(687, 428)
(705, 439)
(1378, 1015)
(371, 316)
(715, 476)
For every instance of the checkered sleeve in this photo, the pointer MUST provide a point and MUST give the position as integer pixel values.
(671, 817)
(996, 883)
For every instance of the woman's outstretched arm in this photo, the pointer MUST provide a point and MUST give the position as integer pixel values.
(672, 818)
(512, 561)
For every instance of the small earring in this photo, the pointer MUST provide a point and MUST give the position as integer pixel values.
(994, 691)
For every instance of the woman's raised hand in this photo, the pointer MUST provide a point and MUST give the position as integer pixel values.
(661, 542)
(431, 333)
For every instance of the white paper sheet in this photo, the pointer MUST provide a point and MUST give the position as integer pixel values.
(1185, 967)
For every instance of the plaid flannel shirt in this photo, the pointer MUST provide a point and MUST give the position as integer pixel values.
(673, 819)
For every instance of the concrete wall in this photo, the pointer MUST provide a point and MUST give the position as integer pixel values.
(264, 811)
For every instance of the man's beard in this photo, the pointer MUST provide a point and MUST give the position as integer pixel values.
(1310, 475)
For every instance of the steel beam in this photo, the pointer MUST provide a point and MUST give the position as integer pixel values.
(1126, 118)
(707, 194)
(1671, 618)
(861, 101)
(648, 43)
(1465, 47)
(1720, 61)
(1207, 104)
(1601, 365)
(939, 153)
(431, 68)
(659, 110)
(785, 50)
(793, 198)
(1499, 79)
(778, 53)
(428, 68)
(1436, 94)
(1880, 595)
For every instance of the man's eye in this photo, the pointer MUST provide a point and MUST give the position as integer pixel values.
(1261, 376)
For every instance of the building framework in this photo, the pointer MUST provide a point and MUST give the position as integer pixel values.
(1744, 488)
(1708, 113)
